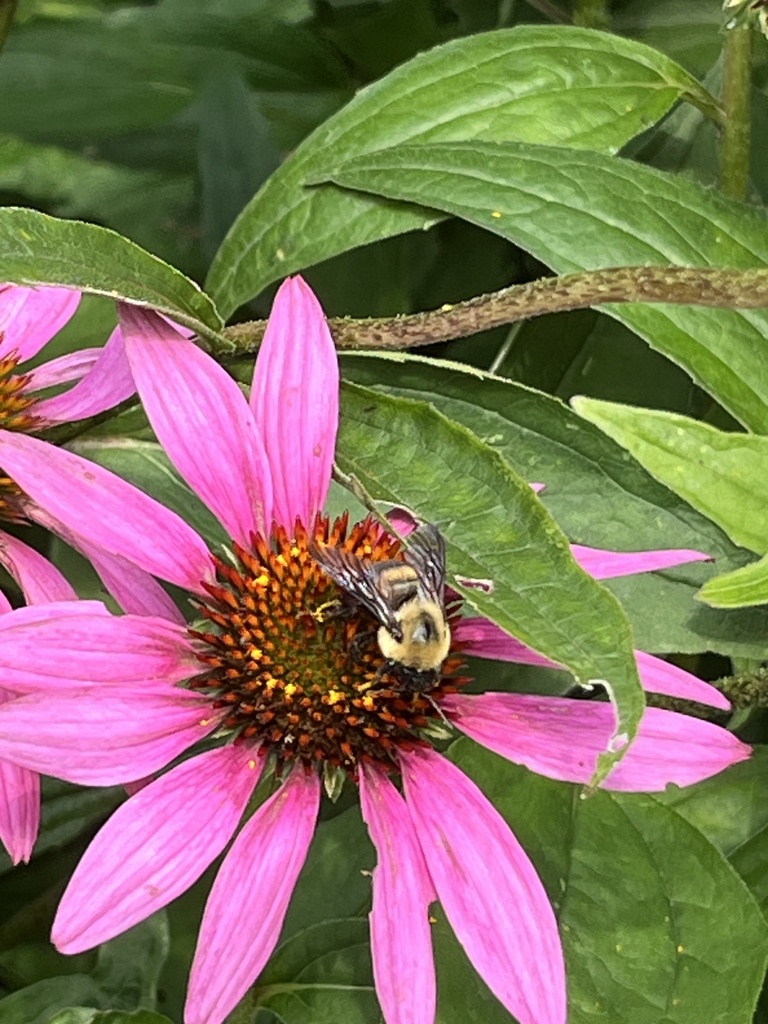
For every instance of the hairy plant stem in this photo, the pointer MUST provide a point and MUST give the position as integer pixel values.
(7, 11)
(737, 81)
(591, 13)
(706, 286)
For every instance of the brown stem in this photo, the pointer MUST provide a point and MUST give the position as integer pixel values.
(704, 286)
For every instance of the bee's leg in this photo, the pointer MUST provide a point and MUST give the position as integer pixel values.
(359, 643)
(350, 481)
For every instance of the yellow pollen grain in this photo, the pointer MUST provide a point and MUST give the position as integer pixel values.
(681, 949)
(495, 214)
(290, 689)
(281, 559)
(254, 653)
(368, 702)
(262, 580)
(252, 764)
(295, 552)
(334, 696)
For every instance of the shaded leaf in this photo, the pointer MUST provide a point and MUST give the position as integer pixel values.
(738, 589)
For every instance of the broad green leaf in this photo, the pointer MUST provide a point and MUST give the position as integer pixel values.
(597, 493)
(738, 589)
(657, 926)
(579, 211)
(321, 976)
(38, 249)
(572, 86)
(407, 453)
(724, 475)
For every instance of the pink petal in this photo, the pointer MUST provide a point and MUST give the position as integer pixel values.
(155, 846)
(78, 643)
(107, 383)
(537, 487)
(295, 402)
(249, 899)
(202, 420)
(5, 604)
(19, 810)
(135, 591)
(40, 581)
(102, 738)
(484, 639)
(488, 888)
(604, 565)
(561, 738)
(658, 676)
(124, 521)
(63, 369)
(404, 971)
(30, 317)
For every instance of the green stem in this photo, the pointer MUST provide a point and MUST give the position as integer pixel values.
(591, 13)
(737, 81)
(705, 286)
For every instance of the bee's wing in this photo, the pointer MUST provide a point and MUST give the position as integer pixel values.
(357, 576)
(425, 551)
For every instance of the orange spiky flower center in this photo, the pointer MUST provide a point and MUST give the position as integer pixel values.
(15, 405)
(293, 675)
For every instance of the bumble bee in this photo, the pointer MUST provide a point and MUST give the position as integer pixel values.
(406, 598)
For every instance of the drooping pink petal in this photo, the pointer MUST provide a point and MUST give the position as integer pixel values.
(102, 738)
(238, 934)
(63, 369)
(106, 510)
(5, 604)
(404, 971)
(19, 808)
(658, 676)
(488, 888)
(295, 401)
(155, 846)
(562, 738)
(40, 581)
(135, 591)
(202, 420)
(30, 317)
(107, 383)
(62, 646)
(604, 565)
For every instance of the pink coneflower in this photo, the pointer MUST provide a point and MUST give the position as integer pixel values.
(115, 699)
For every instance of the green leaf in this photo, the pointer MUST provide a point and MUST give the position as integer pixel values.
(495, 529)
(738, 589)
(723, 474)
(84, 1015)
(37, 1003)
(579, 211)
(657, 926)
(322, 976)
(38, 249)
(572, 86)
(129, 966)
(597, 493)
